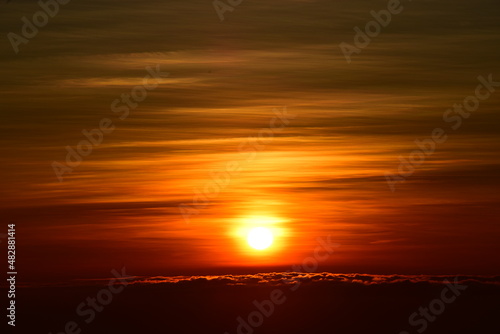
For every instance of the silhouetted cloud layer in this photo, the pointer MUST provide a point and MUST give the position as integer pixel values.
(291, 278)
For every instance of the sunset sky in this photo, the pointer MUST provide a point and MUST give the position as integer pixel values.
(322, 175)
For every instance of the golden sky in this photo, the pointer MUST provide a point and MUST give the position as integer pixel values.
(323, 174)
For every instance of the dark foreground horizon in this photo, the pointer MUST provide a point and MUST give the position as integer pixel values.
(277, 302)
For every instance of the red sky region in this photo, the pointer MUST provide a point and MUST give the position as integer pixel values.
(321, 175)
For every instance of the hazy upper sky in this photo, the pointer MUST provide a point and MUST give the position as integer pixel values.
(323, 174)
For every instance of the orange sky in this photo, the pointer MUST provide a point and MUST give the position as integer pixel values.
(323, 174)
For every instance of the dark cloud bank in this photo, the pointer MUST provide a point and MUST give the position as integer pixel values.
(322, 303)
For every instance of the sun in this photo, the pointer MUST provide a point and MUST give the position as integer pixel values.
(260, 238)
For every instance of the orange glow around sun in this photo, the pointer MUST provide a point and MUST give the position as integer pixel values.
(259, 236)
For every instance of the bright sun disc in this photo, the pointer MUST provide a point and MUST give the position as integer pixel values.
(260, 238)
